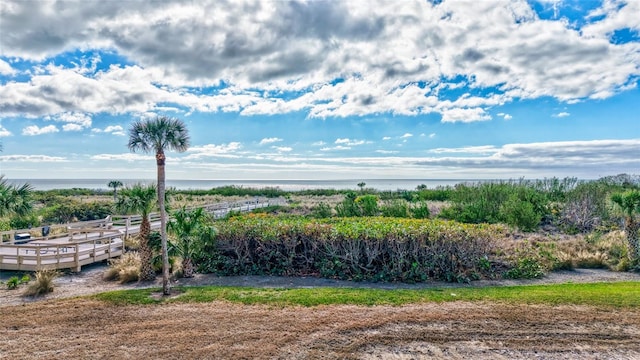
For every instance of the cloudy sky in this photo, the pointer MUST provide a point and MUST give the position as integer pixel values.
(323, 89)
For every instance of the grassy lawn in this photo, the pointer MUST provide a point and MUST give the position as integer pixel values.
(617, 295)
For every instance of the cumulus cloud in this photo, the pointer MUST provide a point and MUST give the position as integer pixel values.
(4, 132)
(561, 114)
(505, 116)
(349, 142)
(465, 115)
(271, 140)
(6, 69)
(72, 127)
(212, 150)
(111, 129)
(257, 50)
(33, 130)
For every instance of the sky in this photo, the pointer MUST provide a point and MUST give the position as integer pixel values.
(273, 90)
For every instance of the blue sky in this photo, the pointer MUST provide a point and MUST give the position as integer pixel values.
(323, 89)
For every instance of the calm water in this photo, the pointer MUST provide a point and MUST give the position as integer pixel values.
(288, 185)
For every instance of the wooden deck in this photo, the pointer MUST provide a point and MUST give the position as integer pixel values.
(71, 246)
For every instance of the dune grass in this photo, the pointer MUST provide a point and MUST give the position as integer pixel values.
(617, 295)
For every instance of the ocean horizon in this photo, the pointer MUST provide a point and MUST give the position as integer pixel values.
(287, 185)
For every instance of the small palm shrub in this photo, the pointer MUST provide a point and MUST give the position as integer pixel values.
(43, 283)
(124, 269)
(321, 211)
(13, 283)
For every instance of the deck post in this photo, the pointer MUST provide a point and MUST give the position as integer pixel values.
(77, 258)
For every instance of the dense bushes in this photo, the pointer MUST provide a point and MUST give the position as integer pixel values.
(493, 202)
(378, 249)
(69, 210)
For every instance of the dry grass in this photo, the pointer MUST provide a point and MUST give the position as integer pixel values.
(124, 269)
(84, 328)
(43, 283)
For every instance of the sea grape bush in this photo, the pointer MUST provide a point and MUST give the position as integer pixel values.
(371, 248)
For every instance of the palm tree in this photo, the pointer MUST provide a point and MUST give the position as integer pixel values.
(141, 199)
(629, 202)
(190, 229)
(158, 135)
(115, 184)
(15, 199)
(361, 185)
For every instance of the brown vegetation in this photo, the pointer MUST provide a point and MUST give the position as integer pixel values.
(83, 328)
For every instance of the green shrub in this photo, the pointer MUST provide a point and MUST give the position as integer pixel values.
(526, 268)
(367, 204)
(13, 283)
(370, 248)
(395, 208)
(348, 206)
(519, 213)
(321, 211)
(420, 210)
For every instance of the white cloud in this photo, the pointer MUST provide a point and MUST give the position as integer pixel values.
(303, 47)
(336, 148)
(4, 132)
(116, 130)
(505, 116)
(80, 119)
(282, 148)
(386, 138)
(407, 135)
(6, 69)
(129, 157)
(386, 152)
(485, 149)
(32, 158)
(270, 140)
(319, 143)
(72, 127)
(349, 142)
(432, 135)
(212, 150)
(561, 156)
(33, 130)
(465, 115)
(561, 114)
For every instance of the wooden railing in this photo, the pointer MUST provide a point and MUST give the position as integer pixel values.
(76, 244)
(84, 247)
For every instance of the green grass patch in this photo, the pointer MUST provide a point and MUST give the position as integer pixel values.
(620, 295)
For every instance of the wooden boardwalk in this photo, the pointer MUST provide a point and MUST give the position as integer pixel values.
(71, 246)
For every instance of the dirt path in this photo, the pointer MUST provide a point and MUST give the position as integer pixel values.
(59, 328)
(89, 281)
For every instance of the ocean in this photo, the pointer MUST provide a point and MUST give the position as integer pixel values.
(287, 185)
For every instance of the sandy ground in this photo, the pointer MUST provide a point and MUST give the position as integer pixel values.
(61, 327)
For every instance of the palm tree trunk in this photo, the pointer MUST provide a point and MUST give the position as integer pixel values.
(633, 243)
(188, 270)
(146, 267)
(160, 158)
